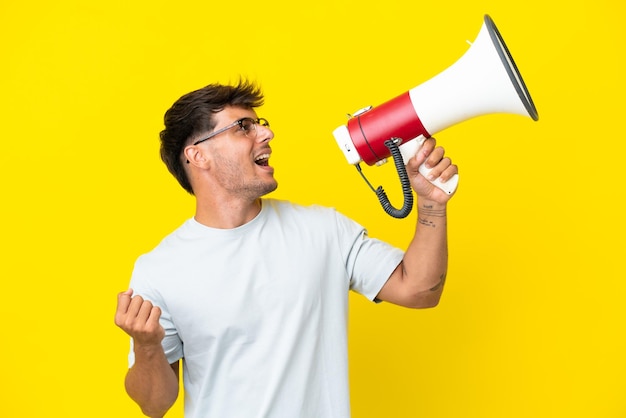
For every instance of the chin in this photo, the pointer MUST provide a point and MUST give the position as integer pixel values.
(272, 188)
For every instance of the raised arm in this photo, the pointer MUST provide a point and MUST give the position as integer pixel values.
(151, 382)
(419, 279)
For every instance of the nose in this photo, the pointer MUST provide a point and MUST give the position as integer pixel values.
(264, 133)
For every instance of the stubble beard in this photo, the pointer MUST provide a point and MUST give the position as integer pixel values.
(235, 181)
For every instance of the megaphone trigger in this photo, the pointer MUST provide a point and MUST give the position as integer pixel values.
(410, 148)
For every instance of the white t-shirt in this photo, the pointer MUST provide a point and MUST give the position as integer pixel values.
(258, 313)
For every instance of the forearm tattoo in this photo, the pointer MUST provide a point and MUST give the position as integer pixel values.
(429, 211)
(426, 222)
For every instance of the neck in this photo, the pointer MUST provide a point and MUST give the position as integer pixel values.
(227, 214)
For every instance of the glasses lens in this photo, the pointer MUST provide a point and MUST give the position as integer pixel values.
(247, 126)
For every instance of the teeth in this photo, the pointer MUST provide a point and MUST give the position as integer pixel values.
(262, 157)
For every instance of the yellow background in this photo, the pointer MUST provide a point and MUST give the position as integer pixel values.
(532, 321)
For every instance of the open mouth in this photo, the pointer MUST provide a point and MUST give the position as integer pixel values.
(262, 160)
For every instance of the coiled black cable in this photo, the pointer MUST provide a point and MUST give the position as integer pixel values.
(407, 191)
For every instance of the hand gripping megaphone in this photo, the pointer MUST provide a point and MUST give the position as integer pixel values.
(484, 80)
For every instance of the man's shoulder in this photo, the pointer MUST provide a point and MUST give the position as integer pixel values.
(168, 242)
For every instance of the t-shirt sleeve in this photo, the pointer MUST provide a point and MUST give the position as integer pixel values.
(369, 261)
(172, 344)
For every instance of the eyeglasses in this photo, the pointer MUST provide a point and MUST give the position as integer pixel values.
(246, 125)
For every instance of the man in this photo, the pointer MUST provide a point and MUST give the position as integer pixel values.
(251, 293)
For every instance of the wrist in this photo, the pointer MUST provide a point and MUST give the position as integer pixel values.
(431, 208)
(148, 350)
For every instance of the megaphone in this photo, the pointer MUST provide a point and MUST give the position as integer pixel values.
(484, 80)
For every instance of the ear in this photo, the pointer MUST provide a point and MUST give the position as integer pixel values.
(196, 156)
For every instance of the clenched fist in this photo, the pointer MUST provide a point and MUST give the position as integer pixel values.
(139, 318)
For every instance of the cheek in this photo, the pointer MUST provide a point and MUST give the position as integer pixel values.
(227, 165)
(231, 153)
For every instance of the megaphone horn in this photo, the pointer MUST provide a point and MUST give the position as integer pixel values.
(484, 80)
